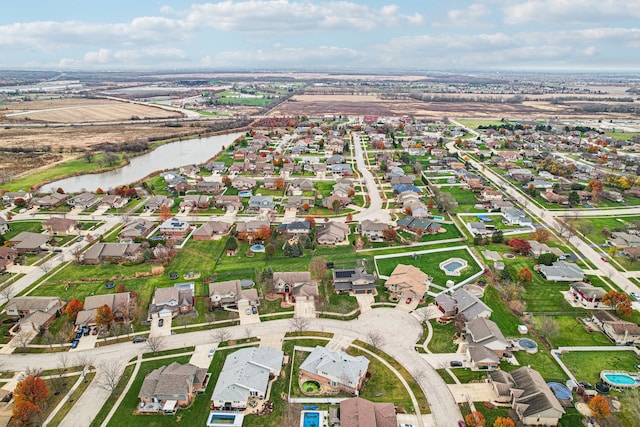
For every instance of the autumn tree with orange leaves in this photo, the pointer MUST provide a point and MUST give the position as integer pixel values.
(504, 422)
(475, 419)
(104, 315)
(619, 301)
(73, 308)
(30, 396)
(165, 212)
(599, 407)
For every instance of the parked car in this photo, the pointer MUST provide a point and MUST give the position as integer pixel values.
(78, 335)
(86, 331)
(80, 239)
(409, 300)
(604, 259)
(635, 296)
(74, 343)
(254, 309)
(57, 250)
(160, 322)
(462, 424)
(137, 340)
(95, 331)
(212, 351)
(455, 363)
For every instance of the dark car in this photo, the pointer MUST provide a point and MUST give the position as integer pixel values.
(78, 335)
(455, 363)
(160, 322)
(86, 331)
(137, 340)
(74, 343)
(254, 309)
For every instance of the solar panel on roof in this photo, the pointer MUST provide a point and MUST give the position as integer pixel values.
(344, 274)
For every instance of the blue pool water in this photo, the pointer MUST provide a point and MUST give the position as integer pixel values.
(528, 344)
(311, 419)
(452, 266)
(619, 379)
(257, 248)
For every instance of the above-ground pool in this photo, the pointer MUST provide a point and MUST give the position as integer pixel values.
(560, 391)
(453, 266)
(244, 193)
(530, 346)
(311, 419)
(257, 248)
(619, 379)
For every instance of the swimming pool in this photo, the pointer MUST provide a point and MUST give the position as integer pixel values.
(225, 419)
(311, 419)
(257, 248)
(529, 345)
(619, 380)
(453, 266)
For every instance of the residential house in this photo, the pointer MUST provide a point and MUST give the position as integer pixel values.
(295, 284)
(359, 412)
(4, 226)
(407, 281)
(332, 233)
(418, 225)
(624, 240)
(216, 167)
(231, 293)
(26, 242)
(169, 302)
(113, 201)
(212, 230)
(407, 197)
(538, 249)
(520, 175)
(372, 230)
(34, 313)
(462, 303)
(334, 160)
(174, 228)
(343, 169)
(157, 202)
(619, 331)
(541, 184)
(343, 187)
(120, 304)
(485, 344)
(191, 171)
(488, 194)
(336, 369)
(417, 210)
(10, 197)
(60, 226)
(296, 228)
(552, 197)
(515, 216)
(400, 188)
(402, 180)
(586, 294)
(50, 201)
(252, 226)
(192, 201)
(172, 385)
(530, 396)
(243, 183)
(7, 257)
(137, 228)
(209, 187)
(298, 185)
(226, 202)
(176, 182)
(260, 203)
(83, 201)
(353, 280)
(245, 375)
(339, 200)
(501, 205)
(479, 229)
(101, 252)
(562, 271)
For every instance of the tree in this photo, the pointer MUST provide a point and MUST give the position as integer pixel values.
(520, 246)
(109, 375)
(232, 244)
(547, 259)
(599, 407)
(73, 308)
(263, 233)
(104, 315)
(389, 234)
(226, 181)
(221, 335)
(33, 392)
(475, 419)
(311, 220)
(336, 205)
(299, 324)
(269, 251)
(541, 235)
(155, 344)
(278, 183)
(619, 301)
(318, 268)
(549, 328)
(503, 422)
(497, 236)
(375, 338)
(349, 218)
(165, 213)
(574, 198)
(525, 275)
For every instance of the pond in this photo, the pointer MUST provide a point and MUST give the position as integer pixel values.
(167, 156)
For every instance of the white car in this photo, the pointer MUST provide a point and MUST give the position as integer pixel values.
(248, 310)
(635, 296)
(212, 351)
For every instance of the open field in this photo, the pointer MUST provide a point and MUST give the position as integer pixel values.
(78, 110)
(372, 104)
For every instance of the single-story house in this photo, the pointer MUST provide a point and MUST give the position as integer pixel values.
(114, 201)
(169, 302)
(50, 200)
(530, 396)
(461, 302)
(341, 200)
(29, 242)
(209, 187)
(137, 228)
(243, 183)
(11, 196)
(258, 203)
(251, 226)
(34, 313)
(562, 271)
(624, 240)
(156, 202)
(175, 227)
(295, 285)
(355, 280)
(112, 251)
(552, 197)
(172, 385)
(485, 344)
(296, 228)
(212, 229)
(83, 200)
(407, 281)
(586, 294)
(538, 249)
(336, 369)
(7, 257)
(246, 375)
(359, 412)
(226, 201)
(619, 331)
(192, 201)
(418, 225)
(230, 293)
(60, 226)
(120, 304)
(490, 194)
(332, 233)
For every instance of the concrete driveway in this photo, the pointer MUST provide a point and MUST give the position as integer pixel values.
(364, 302)
(305, 308)
(247, 319)
(476, 392)
(442, 360)
(402, 305)
(86, 342)
(160, 331)
(200, 356)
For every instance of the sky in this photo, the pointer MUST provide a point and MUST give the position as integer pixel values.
(349, 35)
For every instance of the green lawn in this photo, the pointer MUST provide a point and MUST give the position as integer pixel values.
(72, 167)
(442, 339)
(595, 225)
(573, 333)
(429, 263)
(18, 227)
(623, 136)
(507, 321)
(586, 365)
(474, 123)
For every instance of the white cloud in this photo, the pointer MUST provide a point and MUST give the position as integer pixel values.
(569, 11)
(277, 16)
(124, 57)
(282, 56)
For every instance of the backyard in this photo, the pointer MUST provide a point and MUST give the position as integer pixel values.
(586, 365)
